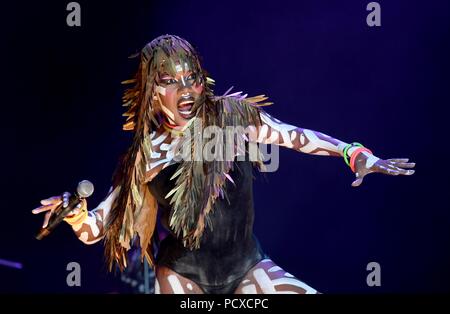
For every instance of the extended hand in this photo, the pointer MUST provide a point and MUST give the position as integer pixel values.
(50, 204)
(366, 163)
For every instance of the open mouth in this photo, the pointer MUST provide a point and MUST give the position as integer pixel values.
(185, 106)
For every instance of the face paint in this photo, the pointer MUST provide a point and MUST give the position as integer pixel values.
(169, 83)
(161, 90)
(178, 85)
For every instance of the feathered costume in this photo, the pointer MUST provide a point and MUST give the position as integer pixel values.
(198, 183)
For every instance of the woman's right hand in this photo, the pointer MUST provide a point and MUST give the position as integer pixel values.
(50, 204)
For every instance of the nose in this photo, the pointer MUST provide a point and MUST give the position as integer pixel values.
(185, 89)
(184, 83)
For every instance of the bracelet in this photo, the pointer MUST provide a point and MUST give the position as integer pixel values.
(356, 153)
(346, 148)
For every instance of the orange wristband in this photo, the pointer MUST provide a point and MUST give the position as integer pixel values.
(77, 219)
(356, 153)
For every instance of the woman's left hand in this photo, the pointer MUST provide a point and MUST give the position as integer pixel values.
(366, 163)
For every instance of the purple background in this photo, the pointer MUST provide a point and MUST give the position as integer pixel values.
(386, 87)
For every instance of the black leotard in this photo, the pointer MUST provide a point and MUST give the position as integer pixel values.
(228, 251)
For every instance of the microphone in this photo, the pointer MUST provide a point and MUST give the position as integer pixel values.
(85, 189)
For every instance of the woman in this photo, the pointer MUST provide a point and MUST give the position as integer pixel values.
(205, 204)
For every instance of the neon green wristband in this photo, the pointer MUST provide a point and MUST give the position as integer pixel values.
(346, 148)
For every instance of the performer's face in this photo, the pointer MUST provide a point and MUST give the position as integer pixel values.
(178, 87)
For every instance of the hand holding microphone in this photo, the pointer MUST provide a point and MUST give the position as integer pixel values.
(63, 207)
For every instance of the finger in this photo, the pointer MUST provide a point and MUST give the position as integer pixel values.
(388, 169)
(44, 208)
(65, 197)
(396, 172)
(358, 180)
(398, 159)
(405, 164)
(46, 219)
(51, 200)
(401, 171)
(392, 171)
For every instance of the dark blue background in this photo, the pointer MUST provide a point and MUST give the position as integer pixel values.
(325, 69)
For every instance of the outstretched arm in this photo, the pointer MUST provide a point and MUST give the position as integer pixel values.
(361, 161)
(273, 131)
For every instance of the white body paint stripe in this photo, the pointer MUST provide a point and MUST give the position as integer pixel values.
(293, 136)
(274, 269)
(249, 289)
(279, 127)
(286, 139)
(157, 163)
(160, 139)
(288, 275)
(263, 133)
(98, 216)
(264, 281)
(107, 203)
(371, 160)
(165, 146)
(315, 142)
(273, 137)
(92, 222)
(294, 282)
(84, 238)
(322, 152)
(302, 139)
(155, 155)
(175, 284)
(171, 162)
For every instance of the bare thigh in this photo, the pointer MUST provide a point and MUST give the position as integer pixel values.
(268, 278)
(169, 282)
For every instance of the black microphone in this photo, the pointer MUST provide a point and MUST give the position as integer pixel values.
(85, 189)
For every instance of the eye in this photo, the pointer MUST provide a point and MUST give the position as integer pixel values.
(191, 77)
(168, 81)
